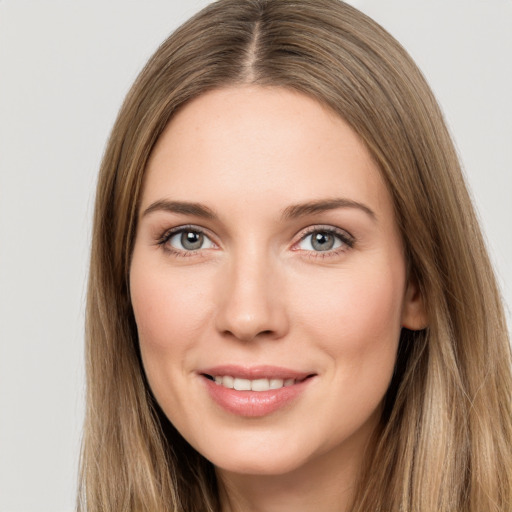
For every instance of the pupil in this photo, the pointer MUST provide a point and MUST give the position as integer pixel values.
(191, 240)
(322, 241)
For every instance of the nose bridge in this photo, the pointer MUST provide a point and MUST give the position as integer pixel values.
(251, 302)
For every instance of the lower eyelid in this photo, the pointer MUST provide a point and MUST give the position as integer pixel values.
(346, 240)
(344, 237)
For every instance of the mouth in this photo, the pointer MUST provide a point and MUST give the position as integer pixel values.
(254, 392)
(258, 385)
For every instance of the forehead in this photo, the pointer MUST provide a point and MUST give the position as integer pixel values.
(247, 142)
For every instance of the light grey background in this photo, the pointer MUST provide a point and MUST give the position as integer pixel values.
(64, 69)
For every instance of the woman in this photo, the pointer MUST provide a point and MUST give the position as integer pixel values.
(290, 304)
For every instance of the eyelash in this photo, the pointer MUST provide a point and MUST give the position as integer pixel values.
(167, 235)
(346, 239)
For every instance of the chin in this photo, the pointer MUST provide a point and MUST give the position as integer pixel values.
(259, 455)
(258, 466)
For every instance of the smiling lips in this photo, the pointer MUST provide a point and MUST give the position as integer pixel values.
(252, 385)
(254, 392)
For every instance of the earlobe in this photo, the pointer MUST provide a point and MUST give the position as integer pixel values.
(414, 314)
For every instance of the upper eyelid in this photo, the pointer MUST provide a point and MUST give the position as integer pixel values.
(323, 227)
(300, 235)
(347, 239)
(163, 241)
(185, 227)
(167, 234)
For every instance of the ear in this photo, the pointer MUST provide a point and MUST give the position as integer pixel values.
(414, 314)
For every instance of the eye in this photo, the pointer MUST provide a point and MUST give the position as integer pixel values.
(186, 240)
(323, 240)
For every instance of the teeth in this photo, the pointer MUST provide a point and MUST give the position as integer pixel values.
(276, 383)
(252, 385)
(260, 385)
(242, 384)
(228, 382)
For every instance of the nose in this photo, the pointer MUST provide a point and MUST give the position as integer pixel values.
(251, 301)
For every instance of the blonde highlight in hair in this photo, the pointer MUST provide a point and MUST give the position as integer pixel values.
(446, 431)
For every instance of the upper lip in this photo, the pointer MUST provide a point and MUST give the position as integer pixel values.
(255, 372)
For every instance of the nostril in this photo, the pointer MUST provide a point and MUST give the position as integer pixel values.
(248, 334)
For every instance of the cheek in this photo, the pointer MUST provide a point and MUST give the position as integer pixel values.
(357, 322)
(169, 311)
(360, 306)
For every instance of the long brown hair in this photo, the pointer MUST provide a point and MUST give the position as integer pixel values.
(445, 441)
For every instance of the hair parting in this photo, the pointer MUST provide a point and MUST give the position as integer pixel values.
(446, 430)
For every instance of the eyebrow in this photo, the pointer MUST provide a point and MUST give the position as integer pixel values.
(180, 207)
(291, 212)
(323, 205)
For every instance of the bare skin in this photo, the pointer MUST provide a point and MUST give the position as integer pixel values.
(267, 243)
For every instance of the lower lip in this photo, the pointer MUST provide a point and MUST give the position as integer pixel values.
(254, 404)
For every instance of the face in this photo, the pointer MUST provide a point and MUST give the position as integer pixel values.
(268, 281)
